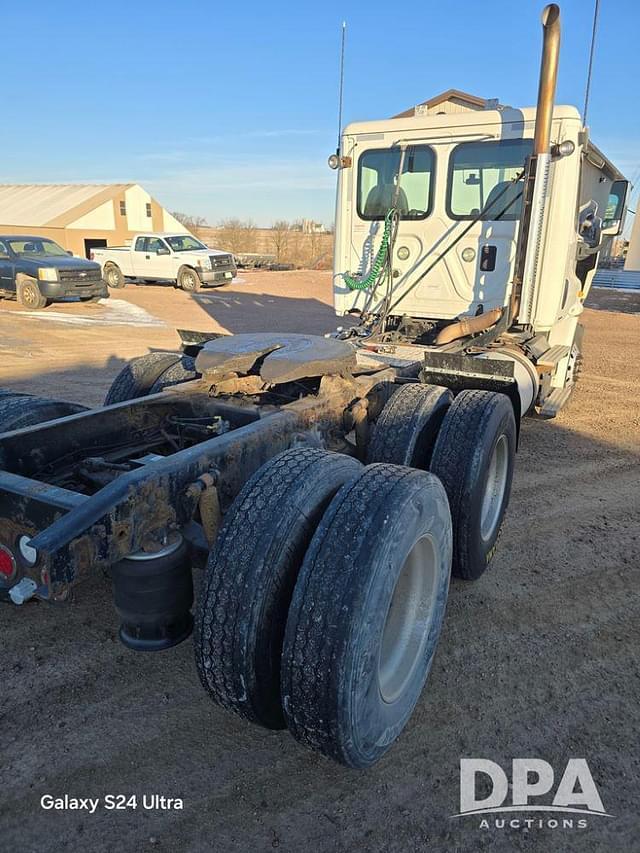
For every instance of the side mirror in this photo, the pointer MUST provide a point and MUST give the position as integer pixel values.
(613, 222)
(70, 253)
(163, 252)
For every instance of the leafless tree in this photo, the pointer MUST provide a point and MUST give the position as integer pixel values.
(280, 238)
(192, 223)
(237, 236)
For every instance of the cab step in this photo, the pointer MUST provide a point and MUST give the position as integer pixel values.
(555, 401)
(550, 359)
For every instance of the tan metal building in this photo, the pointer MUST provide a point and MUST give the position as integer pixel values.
(82, 216)
(452, 101)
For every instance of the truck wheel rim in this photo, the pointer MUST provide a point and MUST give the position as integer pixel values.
(409, 619)
(188, 280)
(112, 276)
(29, 296)
(495, 488)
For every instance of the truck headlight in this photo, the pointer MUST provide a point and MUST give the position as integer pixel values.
(47, 274)
(205, 263)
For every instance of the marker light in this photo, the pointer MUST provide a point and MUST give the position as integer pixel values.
(403, 253)
(7, 564)
(563, 149)
(468, 254)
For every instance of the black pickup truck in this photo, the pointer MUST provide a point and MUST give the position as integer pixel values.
(38, 271)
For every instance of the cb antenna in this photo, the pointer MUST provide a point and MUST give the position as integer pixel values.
(341, 89)
(596, 12)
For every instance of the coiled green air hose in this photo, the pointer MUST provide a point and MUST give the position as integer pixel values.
(372, 277)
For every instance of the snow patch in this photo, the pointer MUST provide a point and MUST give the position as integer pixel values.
(108, 312)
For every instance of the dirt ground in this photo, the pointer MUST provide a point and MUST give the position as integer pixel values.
(539, 658)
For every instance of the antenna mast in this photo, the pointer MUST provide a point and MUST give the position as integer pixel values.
(344, 32)
(596, 12)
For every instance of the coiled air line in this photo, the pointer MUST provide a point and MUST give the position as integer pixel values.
(378, 264)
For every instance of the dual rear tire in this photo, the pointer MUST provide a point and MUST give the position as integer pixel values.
(326, 620)
(469, 443)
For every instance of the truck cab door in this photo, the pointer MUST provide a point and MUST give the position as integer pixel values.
(154, 261)
(7, 269)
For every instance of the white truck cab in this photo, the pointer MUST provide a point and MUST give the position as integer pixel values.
(476, 234)
(180, 258)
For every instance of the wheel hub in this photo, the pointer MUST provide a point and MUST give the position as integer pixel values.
(495, 488)
(408, 621)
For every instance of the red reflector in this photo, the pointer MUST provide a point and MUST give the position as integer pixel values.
(7, 563)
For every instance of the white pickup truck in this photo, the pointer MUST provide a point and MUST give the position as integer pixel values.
(166, 257)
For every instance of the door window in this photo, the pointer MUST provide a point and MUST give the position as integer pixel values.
(155, 243)
(380, 187)
(481, 178)
(141, 244)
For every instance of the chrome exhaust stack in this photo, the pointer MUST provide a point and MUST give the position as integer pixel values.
(536, 175)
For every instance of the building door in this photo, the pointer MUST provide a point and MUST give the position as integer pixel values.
(93, 244)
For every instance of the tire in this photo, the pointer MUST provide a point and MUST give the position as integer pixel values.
(114, 276)
(478, 431)
(406, 431)
(352, 670)
(141, 375)
(29, 295)
(252, 569)
(182, 371)
(188, 279)
(19, 412)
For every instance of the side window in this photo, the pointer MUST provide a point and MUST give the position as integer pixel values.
(155, 243)
(141, 244)
(4, 251)
(380, 187)
(481, 178)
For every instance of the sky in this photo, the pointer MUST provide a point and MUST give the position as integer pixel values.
(230, 110)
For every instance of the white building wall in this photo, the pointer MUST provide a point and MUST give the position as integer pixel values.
(136, 200)
(170, 223)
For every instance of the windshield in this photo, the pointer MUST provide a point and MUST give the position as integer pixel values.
(378, 188)
(37, 247)
(185, 243)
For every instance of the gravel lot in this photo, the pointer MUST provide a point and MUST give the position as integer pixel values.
(538, 658)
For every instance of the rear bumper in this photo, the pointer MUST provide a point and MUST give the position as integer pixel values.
(64, 289)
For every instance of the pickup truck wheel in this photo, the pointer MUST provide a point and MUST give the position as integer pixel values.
(18, 412)
(407, 428)
(243, 606)
(474, 458)
(113, 275)
(188, 279)
(29, 293)
(366, 614)
(144, 375)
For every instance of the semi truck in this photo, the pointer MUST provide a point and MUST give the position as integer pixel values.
(323, 490)
(179, 258)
